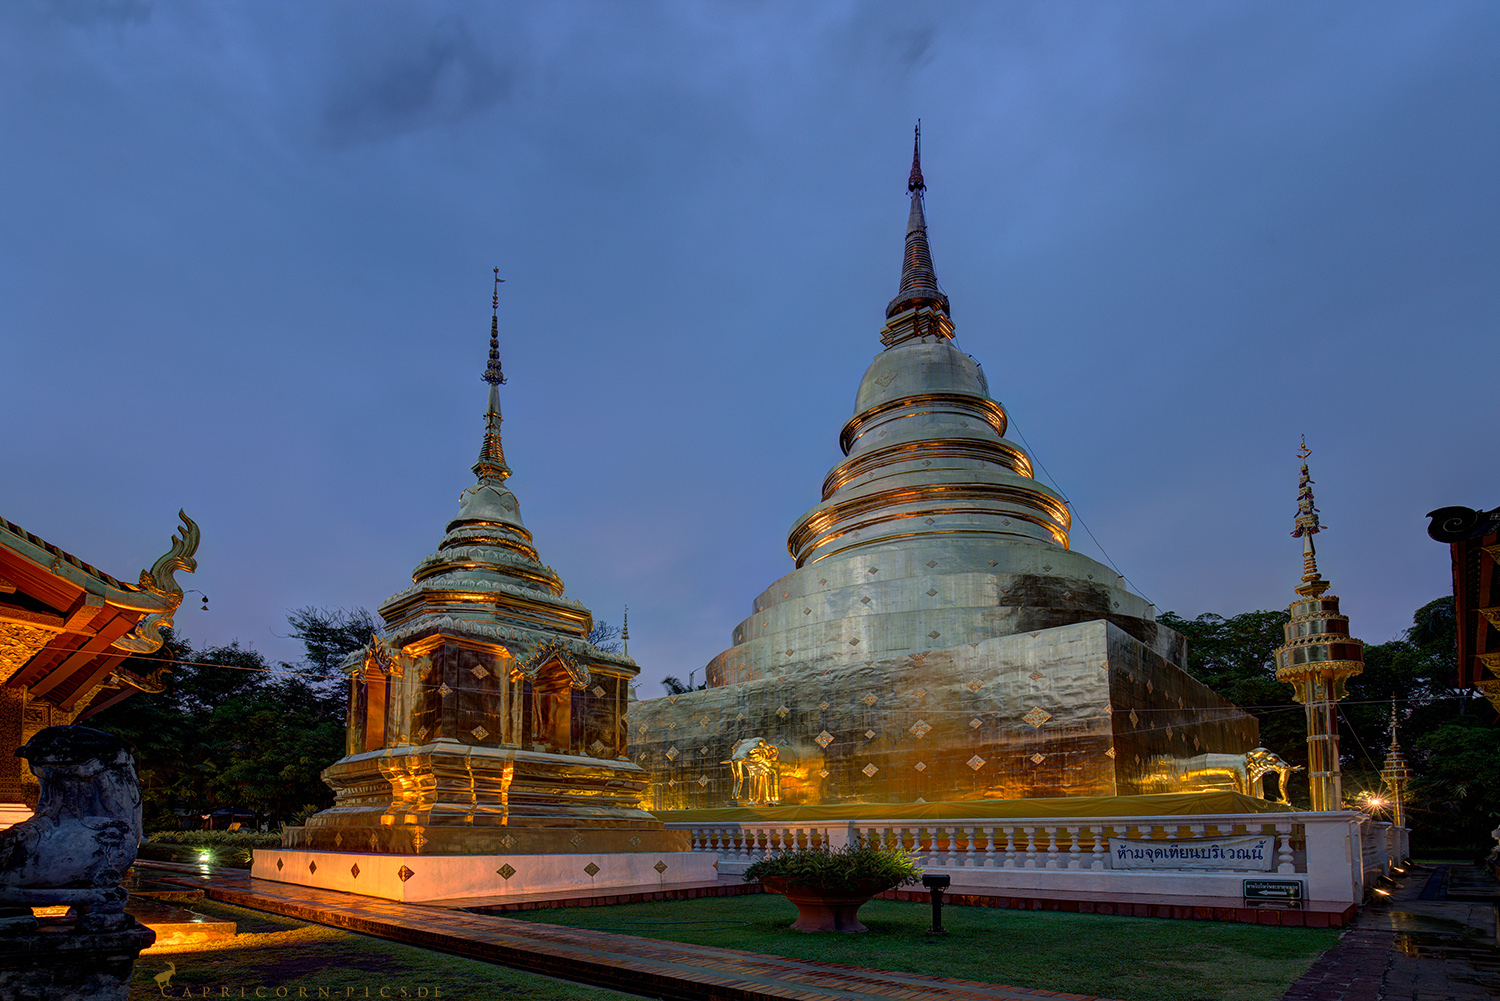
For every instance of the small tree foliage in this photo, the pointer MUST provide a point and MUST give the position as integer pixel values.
(1447, 734)
(234, 730)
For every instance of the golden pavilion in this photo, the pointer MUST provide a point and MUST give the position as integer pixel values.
(938, 640)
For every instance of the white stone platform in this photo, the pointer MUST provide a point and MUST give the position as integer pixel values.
(418, 878)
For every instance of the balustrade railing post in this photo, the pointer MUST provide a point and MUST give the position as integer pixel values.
(1074, 849)
(1284, 848)
(1030, 846)
(1098, 857)
(1010, 846)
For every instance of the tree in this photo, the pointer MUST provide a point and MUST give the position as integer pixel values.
(331, 634)
(1235, 657)
(231, 729)
(1417, 670)
(605, 637)
(1450, 740)
(674, 686)
(1456, 797)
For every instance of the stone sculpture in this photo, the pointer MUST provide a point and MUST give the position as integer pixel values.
(757, 772)
(1243, 773)
(74, 852)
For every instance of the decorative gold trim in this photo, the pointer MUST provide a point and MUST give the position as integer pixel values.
(819, 521)
(946, 448)
(987, 410)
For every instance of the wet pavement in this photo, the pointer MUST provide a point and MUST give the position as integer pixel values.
(1432, 936)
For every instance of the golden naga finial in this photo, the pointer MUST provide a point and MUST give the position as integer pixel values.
(161, 583)
(625, 632)
(1307, 525)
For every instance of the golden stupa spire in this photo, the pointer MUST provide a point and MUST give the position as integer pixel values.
(491, 464)
(1306, 527)
(920, 308)
(1395, 773)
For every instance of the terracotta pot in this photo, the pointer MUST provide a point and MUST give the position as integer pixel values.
(823, 910)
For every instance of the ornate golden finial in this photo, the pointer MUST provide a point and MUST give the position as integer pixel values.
(491, 464)
(1307, 526)
(492, 373)
(625, 632)
(920, 308)
(915, 183)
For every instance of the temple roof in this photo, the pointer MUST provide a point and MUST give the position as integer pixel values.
(66, 626)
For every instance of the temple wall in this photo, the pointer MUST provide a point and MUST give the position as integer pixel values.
(943, 724)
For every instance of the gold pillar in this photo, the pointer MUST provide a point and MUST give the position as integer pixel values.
(1318, 656)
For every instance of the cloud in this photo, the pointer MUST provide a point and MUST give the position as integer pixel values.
(440, 76)
(914, 46)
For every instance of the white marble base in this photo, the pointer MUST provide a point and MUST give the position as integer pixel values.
(435, 877)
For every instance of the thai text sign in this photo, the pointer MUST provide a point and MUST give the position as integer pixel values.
(1256, 853)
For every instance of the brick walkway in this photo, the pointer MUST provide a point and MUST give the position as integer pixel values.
(1433, 939)
(634, 965)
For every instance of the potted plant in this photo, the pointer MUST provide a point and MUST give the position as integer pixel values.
(829, 885)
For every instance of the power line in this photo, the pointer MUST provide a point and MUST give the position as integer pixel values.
(1076, 513)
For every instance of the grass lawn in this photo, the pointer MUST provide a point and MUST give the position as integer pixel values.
(307, 959)
(1133, 959)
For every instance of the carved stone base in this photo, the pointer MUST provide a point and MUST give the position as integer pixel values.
(452, 798)
(415, 878)
(461, 839)
(57, 961)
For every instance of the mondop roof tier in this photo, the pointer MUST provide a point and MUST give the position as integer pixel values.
(937, 640)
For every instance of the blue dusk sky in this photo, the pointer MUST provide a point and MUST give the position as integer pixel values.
(245, 255)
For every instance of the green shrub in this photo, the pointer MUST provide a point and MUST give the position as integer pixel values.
(837, 870)
(210, 839)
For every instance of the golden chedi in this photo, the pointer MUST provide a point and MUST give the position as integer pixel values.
(483, 724)
(938, 640)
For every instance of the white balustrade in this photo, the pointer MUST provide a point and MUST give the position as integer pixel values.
(1336, 853)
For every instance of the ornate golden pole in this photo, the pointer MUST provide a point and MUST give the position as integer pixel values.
(1318, 656)
(1396, 774)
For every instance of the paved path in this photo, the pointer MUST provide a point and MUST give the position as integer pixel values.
(1433, 939)
(635, 965)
